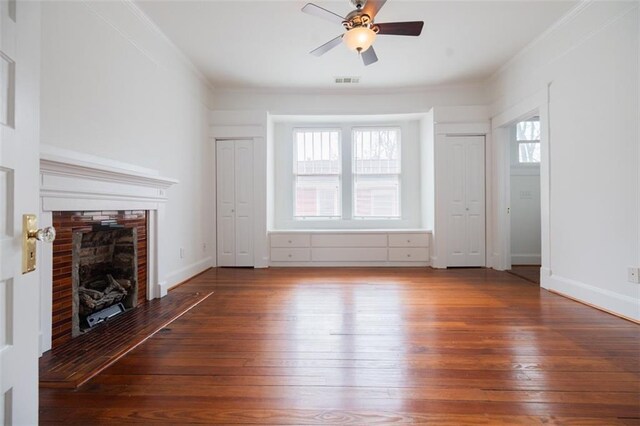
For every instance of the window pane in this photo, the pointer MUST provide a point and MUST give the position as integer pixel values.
(528, 131)
(529, 152)
(377, 196)
(318, 152)
(317, 196)
(376, 151)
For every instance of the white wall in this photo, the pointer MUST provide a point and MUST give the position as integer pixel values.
(348, 101)
(115, 87)
(410, 192)
(427, 170)
(525, 210)
(589, 62)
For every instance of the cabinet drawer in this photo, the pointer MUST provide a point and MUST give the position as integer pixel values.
(419, 254)
(349, 240)
(290, 240)
(290, 254)
(408, 240)
(349, 254)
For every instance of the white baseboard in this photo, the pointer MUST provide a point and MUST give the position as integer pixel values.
(187, 272)
(164, 288)
(262, 263)
(435, 264)
(495, 262)
(525, 259)
(615, 303)
(41, 345)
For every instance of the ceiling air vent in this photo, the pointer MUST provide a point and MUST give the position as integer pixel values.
(347, 80)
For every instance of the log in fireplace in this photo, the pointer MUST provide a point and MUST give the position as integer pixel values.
(104, 274)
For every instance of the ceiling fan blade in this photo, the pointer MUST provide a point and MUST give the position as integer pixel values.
(369, 56)
(413, 28)
(321, 12)
(327, 46)
(371, 7)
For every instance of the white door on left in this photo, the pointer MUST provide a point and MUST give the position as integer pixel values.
(19, 187)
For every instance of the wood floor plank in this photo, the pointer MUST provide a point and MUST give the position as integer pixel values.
(369, 346)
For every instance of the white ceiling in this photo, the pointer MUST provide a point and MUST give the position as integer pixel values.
(241, 44)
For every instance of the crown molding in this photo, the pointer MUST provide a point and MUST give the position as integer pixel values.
(153, 27)
(564, 20)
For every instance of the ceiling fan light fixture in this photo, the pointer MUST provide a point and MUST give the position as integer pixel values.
(359, 39)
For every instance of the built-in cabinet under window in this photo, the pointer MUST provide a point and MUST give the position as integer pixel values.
(374, 248)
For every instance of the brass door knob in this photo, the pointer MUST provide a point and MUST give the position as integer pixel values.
(46, 235)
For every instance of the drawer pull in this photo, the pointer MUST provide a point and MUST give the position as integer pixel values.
(289, 241)
(289, 254)
(408, 241)
(408, 255)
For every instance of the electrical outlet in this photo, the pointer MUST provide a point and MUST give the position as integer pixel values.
(181, 253)
(633, 275)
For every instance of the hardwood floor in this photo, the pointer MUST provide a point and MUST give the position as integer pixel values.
(78, 360)
(370, 346)
(527, 272)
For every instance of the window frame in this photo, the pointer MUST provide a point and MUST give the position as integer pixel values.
(294, 182)
(526, 141)
(354, 174)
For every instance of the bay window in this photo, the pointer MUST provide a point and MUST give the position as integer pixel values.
(347, 173)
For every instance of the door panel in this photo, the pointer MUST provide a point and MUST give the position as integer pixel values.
(466, 205)
(244, 203)
(457, 217)
(225, 184)
(475, 202)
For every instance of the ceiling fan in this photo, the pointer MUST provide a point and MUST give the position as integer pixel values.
(360, 28)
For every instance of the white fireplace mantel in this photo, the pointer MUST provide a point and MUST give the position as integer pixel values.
(73, 181)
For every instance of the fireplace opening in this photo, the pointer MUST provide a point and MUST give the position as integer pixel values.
(104, 274)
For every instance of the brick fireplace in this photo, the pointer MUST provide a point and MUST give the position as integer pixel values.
(89, 246)
(83, 196)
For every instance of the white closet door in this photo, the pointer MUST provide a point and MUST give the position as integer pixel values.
(226, 202)
(466, 210)
(234, 165)
(244, 203)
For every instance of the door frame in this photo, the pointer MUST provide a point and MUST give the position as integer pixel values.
(537, 104)
(442, 131)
